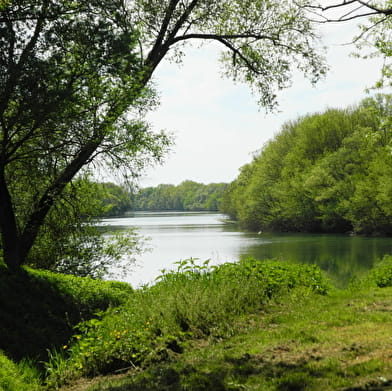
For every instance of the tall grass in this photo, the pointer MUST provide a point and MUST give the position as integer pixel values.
(15, 377)
(195, 301)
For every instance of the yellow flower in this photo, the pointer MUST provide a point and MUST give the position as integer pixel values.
(65, 347)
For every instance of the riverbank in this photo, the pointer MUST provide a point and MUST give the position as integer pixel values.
(337, 342)
(252, 325)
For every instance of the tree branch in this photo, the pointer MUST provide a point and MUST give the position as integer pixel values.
(223, 39)
(362, 4)
(155, 55)
(224, 36)
(11, 82)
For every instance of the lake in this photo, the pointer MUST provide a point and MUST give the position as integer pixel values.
(176, 236)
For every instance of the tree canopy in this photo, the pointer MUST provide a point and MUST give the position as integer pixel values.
(74, 84)
(327, 172)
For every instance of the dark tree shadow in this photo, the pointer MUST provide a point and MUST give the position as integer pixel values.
(34, 315)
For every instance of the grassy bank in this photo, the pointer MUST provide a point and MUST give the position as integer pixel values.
(251, 325)
(337, 342)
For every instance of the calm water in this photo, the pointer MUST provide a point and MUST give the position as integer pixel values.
(177, 236)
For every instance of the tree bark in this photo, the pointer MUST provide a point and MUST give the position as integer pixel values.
(8, 226)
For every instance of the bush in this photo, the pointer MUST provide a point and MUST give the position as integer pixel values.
(197, 301)
(88, 294)
(381, 274)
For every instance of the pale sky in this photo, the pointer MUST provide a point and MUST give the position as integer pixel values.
(218, 125)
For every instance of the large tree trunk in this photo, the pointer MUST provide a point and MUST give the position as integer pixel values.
(52, 193)
(8, 227)
(17, 245)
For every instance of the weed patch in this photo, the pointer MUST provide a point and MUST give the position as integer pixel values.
(194, 301)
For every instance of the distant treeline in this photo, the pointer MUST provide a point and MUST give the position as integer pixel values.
(187, 196)
(328, 172)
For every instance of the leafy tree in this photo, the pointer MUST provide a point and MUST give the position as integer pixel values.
(73, 72)
(72, 242)
(324, 172)
(116, 199)
(68, 75)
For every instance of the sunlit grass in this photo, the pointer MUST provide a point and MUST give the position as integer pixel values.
(333, 342)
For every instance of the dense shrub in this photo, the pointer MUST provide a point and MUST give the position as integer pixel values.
(89, 294)
(197, 301)
(325, 172)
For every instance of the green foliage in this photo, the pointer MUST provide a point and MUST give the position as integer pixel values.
(4, 3)
(376, 35)
(326, 172)
(87, 251)
(71, 241)
(86, 293)
(261, 41)
(189, 196)
(73, 93)
(38, 309)
(16, 378)
(380, 275)
(195, 300)
(75, 87)
(116, 199)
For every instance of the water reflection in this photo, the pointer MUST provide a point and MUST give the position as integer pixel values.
(177, 236)
(340, 256)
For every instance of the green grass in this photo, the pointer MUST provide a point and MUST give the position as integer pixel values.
(251, 325)
(337, 342)
(190, 303)
(17, 378)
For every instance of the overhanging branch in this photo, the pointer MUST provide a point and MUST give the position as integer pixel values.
(369, 10)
